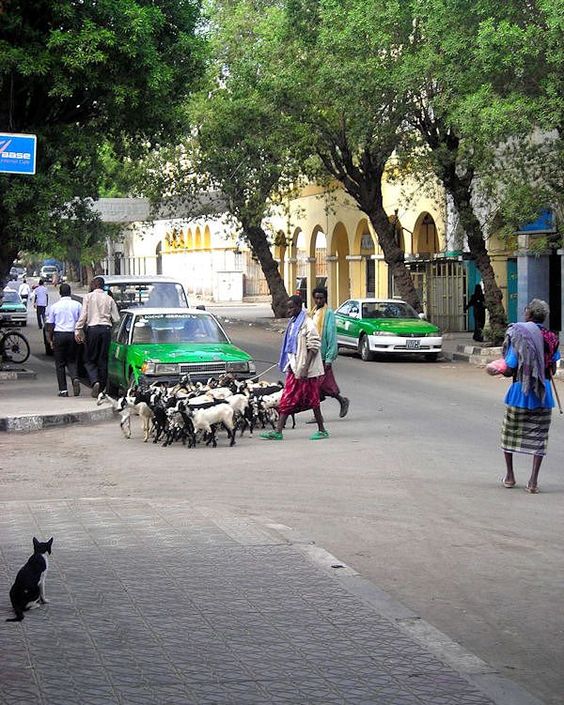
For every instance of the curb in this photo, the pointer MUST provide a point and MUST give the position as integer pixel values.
(485, 678)
(38, 422)
(10, 375)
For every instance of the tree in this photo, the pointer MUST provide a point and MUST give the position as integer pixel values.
(337, 79)
(239, 144)
(81, 74)
(481, 82)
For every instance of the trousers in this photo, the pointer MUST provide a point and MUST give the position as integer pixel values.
(96, 354)
(65, 351)
(40, 310)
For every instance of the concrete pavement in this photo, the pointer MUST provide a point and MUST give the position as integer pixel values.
(163, 602)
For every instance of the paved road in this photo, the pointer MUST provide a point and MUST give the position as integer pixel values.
(406, 491)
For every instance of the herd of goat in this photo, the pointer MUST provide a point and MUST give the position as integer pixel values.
(195, 412)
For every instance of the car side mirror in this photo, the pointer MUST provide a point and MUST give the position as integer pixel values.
(200, 307)
(422, 316)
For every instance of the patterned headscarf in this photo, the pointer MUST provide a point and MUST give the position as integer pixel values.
(528, 342)
(290, 342)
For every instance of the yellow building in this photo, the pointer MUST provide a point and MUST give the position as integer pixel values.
(320, 236)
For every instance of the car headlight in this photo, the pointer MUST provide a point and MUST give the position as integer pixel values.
(237, 367)
(148, 368)
(166, 368)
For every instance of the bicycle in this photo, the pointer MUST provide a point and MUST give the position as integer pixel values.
(13, 347)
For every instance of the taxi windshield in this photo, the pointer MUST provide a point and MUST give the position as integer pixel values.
(177, 328)
(150, 294)
(388, 309)
(11, 297)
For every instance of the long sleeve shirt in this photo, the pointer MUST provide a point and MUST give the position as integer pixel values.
(98, 309)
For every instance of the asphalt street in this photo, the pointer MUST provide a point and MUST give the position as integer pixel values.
(406, 491)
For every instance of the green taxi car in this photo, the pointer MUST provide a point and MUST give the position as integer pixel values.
(12, 310)
(389, 326)
(153, 344)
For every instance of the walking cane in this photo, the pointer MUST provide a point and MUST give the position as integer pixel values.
(555, 391)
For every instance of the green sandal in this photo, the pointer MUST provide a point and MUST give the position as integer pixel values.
(272, 436)
(319, 435)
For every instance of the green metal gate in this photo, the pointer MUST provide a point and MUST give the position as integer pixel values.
(446, 286)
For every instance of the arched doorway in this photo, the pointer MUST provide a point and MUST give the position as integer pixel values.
(340, 281)
(159, 257)
(365, 279)
(425, 238)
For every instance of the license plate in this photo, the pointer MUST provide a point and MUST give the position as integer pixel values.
(412, 344)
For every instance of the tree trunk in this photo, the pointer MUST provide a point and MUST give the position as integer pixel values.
(459, 190)
(258, 241)
(445, 145)
(88, 273)
(73, 269)
(364, 184)
(394, 256)
(8, 253)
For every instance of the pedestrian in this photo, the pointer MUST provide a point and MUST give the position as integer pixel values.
(530, 352)
(24, 291)
(478, 303)
(324, 319)
(99, 312)
(62, 317)
(300, 360)
(40, 302)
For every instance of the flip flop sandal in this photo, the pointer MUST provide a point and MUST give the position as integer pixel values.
(532, 490)
(319, 435)
(271, 436)
(508, 485)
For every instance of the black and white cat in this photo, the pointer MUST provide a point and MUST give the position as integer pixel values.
(28, 590)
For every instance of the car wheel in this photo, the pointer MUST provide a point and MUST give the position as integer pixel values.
(432, 357)
(364, 349)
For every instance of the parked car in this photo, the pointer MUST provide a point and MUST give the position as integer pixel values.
(165, 344)
(49, 273)
(386, 326)
(155, 291)
(13, 312)
(301, 286)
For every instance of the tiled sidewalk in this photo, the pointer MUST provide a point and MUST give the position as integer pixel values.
(161, 603)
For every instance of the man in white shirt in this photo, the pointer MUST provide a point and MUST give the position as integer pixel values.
(60, 324)
(99, 312)
(24, 291)
(40, 299)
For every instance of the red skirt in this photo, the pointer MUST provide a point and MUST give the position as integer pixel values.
(328, 384)
(299, 394)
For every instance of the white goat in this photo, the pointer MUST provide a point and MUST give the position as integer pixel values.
(206, 419)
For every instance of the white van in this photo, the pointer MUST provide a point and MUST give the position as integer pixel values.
(154, 291)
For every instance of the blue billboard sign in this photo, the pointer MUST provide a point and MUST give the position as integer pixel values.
(544, 223)
(17, 153)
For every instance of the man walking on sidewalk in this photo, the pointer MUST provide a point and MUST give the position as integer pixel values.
(24, 291)
(40, 301)
(99, 312)
(324, 319)
(59, 326)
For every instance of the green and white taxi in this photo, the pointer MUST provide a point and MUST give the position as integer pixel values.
(12, 310)
(373, 326)
(155, 344)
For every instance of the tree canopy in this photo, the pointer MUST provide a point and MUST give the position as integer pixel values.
(80, 75)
